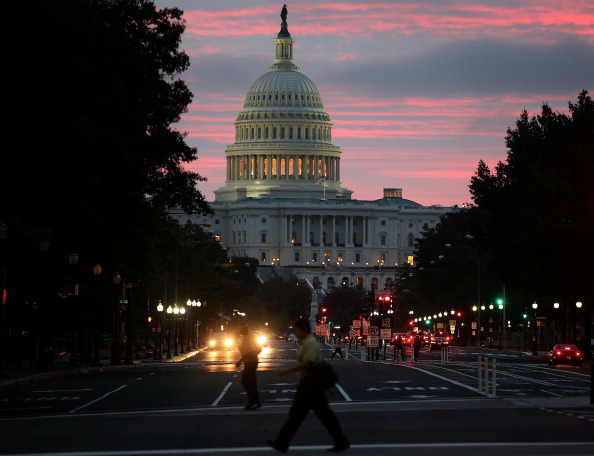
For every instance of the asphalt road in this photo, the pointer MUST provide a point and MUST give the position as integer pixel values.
(195, 406)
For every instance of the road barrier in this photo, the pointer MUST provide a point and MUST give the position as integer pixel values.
(445, 353)
(484, 383)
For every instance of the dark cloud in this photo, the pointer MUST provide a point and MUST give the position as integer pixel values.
(471, 68)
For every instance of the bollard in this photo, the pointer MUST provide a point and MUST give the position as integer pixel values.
(494, 378)
(363, 355)
(445, 352)
(346, 354)
(479, 375)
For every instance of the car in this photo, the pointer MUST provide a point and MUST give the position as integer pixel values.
(440, 339)
(567, 354)
(406, 338)
(221, 341)
(261, 338)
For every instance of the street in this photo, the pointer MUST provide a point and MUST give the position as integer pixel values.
(195, 406)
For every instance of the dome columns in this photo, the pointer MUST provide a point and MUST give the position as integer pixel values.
(282, 166)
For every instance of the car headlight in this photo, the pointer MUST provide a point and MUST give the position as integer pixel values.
(212, 343)
(228, 342)
(262, 340)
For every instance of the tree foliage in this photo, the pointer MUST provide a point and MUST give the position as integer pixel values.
(532, 225)
(94, 158)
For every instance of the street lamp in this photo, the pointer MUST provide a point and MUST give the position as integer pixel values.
(158, 336)
(3, 301)
(169, 313)
(478, 283)
(116, 356)
(534, 341)
(73, 261)
(192, 335)
(97, 270)
(182, 311)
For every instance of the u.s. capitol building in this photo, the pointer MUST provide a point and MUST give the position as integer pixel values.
(283, 202)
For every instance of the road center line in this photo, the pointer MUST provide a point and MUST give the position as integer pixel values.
(97, 400)
(218, 399)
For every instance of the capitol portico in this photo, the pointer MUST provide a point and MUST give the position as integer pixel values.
(283, 202)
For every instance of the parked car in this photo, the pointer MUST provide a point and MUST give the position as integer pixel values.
(567, 354)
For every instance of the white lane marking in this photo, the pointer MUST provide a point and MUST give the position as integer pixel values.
(97, 400)
(218, 399)
(444, 378)
(343, 392)
(266, 449)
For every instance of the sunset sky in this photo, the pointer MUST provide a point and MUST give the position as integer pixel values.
(418, 91)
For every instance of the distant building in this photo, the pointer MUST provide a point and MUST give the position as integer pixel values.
(283, 203)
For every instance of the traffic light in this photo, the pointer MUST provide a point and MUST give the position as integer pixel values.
(500, 302)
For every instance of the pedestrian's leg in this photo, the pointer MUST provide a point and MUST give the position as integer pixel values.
(328, 418)
(249, 382)
(299, 410)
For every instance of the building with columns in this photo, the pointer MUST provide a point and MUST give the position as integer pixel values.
(283, 202)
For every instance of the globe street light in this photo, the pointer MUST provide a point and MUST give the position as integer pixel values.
(158, 336)
(534, 341)
(169, 313)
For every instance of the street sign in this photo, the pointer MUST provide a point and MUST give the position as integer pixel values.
(386, 323)
(356, 323)
(385, 334)
(372, 341)
(373, 330)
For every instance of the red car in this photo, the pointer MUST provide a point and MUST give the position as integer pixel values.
(565, 353)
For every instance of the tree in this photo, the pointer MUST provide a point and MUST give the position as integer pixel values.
(94, 156)
(93, 160)
(281, 302)
(539, 205)
(532, 223)
(345, 304)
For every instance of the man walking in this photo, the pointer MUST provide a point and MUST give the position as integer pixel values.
(307, 399)
(249, 350)
(337, 348)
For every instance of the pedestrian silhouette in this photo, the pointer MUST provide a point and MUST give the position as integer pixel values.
(249, 350)
(337, 348)
(417, 347)
(307, 399)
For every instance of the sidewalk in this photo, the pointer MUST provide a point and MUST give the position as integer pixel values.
(22, 375)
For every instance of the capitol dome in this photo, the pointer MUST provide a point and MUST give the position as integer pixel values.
(283, 137)
(284, 88)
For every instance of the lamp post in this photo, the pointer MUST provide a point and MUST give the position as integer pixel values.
(169, 314)
(158, 336)
(478, 282)
(182, 312)
(3, 300)
(116, 355)
(193, 334)
(534, 340)
(73, 261)
(97, 270)
(175, 329)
